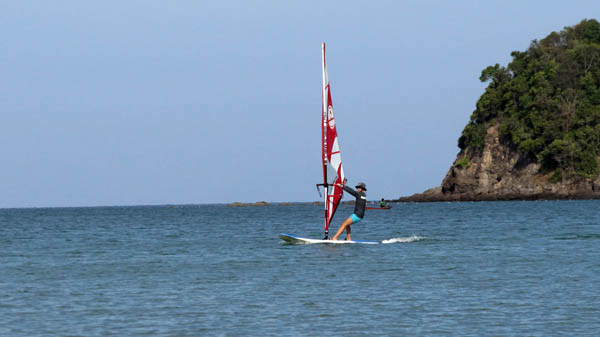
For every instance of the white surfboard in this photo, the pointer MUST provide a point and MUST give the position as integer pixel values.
(302, 241)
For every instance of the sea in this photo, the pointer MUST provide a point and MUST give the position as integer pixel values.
(515, 268)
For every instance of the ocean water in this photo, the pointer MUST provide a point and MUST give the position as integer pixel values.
(446, 269)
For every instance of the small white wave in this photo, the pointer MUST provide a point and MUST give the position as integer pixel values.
(404, 240)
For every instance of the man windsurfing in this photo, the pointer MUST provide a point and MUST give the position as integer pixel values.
(359, 209)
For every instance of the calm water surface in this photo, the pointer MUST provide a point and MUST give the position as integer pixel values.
(451, 269)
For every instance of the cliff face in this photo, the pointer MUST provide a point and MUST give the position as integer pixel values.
(498, 172)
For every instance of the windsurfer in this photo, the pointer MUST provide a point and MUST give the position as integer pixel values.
(359, 209)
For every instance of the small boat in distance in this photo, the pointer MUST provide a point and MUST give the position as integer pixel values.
(381, 208)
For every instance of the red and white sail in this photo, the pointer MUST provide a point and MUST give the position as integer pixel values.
(333, 173)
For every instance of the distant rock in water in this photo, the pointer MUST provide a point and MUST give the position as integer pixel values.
(241, 204)
(535, 132)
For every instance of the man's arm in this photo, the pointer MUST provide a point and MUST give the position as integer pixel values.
(351, 191)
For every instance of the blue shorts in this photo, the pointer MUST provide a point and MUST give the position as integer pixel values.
(355, 218)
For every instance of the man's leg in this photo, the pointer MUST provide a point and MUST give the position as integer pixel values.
(348, 232)
(346, 222)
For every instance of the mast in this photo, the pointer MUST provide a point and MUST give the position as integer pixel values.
(333, 173)
(324, 136)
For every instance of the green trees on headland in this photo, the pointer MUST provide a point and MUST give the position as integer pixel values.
(546, 102)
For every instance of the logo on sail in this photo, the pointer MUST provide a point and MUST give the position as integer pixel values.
(330, 117)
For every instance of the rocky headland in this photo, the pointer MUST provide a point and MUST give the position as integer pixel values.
(535, 133)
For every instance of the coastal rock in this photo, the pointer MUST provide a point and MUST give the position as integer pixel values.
(501, 173)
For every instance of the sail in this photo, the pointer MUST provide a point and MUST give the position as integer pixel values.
(333, 173)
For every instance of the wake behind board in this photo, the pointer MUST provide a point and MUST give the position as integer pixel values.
(302, 241)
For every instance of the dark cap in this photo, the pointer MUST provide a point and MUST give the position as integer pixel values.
(362, 185)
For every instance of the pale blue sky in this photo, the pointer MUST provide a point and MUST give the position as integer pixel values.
(157, 102)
